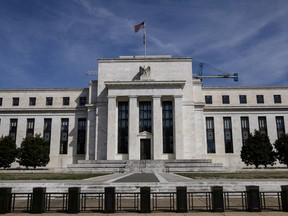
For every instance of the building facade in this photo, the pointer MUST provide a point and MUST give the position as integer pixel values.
(144, 108)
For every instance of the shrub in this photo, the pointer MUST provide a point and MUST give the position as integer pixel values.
(258, 150)
(34, 151)
(8, 151)
(281, 146)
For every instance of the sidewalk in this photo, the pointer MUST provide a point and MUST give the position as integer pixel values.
(162, 214)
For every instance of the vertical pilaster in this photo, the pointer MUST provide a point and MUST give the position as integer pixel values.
(111, 128)
(134, 146)
(178, 127)
(90, 133)
(157, 128)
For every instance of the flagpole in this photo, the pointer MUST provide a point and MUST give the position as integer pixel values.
(145, 40)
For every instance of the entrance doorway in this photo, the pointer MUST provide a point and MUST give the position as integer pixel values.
(145, 149)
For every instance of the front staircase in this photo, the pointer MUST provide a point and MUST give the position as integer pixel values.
(147, 166)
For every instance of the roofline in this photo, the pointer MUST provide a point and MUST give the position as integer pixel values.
(243, 87)
(43, 89)
(155, 58)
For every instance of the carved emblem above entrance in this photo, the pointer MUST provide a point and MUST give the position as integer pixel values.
(145, 72)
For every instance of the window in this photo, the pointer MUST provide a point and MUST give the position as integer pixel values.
(15, 101)
(13, 129)
(277, 99)
(66, 101)
(167, 121)
(210, 135)
(280, 125)
(260, 99)
(82, 101)
(228, 135)
(81, 136)
(145, 116)
(242, 99)
(47, 129)
(1, 100)
(262, 125)
(32, 101)
(49, 101)
(245, 128)
(208, 99)
(123, 114)
(30, 127)
(225, 99)
(64, 135)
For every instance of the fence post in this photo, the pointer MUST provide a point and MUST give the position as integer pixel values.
(181, 199)
(74, 199)
(109, 200)
(253, 198)
(38, 200)
(5, 200)
(284, 197)
(217, 199)
(145, 200)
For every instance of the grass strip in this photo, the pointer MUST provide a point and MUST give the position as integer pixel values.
(238, 175)
(48, 176)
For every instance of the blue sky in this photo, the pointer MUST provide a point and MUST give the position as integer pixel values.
(53, 43)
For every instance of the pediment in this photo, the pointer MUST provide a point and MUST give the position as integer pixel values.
(145, 134)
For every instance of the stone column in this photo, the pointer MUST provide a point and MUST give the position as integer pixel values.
(178, 128)
(111, 128)
(134, 146)
(157, 129)
(90, 133)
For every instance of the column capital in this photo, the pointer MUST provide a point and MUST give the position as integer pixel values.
(177, 96)
(111, 96)
(156, 96)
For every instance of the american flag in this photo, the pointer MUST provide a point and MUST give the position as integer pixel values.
(139, 26)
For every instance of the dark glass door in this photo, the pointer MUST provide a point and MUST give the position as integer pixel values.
(145, 149)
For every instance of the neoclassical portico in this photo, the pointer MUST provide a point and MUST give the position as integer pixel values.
(145, 142)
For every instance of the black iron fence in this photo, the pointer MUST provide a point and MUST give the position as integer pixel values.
(109, 201)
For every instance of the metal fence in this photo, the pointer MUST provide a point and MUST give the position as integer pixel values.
(75, 201)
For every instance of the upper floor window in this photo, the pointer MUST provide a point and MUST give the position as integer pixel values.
(277, 99)
(262, 124)
(145, 115)
(66, 101)
(260, 99)
(1, 99)
(242, 99)
(15, 101)
(225, 99)
(49, 101)
(82, 101)
(208, 99)
(32, 101)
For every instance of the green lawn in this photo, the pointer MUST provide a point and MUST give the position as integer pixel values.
(46, 176)
(239, 175)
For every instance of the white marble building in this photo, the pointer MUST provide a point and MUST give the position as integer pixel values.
(144, 108)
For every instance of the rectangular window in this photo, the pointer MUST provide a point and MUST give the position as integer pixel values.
(260, 99)
(242, 99)
(208, 99)
(210, 135)
(15, 101)
(145, 116)
(81, 136)
(13, 129)
(49, 101)
(30, 127)
(280, 125)
(32, 101)
(277, 99)
(82, 101)
(167, 121)
(64, 135)
(47, 130)
(123, 114)
(228, 139)
(66, 101)
(1, 99)
(245, 128)
(225, 99)
(262, 124)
